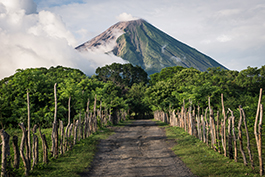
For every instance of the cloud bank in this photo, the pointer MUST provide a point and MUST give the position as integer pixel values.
(31, 39)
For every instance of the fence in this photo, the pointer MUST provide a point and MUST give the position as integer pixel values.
(221, 134)
(63, 138)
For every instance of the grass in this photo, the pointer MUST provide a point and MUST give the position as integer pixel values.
(76, 160)
(201, 159)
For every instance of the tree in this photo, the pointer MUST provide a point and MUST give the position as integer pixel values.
(122, 74)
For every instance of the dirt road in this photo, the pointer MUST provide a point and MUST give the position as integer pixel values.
(138, 149)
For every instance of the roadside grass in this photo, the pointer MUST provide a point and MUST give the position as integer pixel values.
(201, 159)
(74, 161)
(78, 158)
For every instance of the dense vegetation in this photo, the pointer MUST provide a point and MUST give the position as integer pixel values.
(173, 84)
(124, 87)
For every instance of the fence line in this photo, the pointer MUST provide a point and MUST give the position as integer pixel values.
(61, 142)
(222, 134)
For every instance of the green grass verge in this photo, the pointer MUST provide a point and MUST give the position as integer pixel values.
(201, 159)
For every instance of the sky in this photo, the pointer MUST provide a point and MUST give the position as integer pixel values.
(43, 33)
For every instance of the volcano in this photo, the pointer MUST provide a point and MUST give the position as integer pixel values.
(144, 45)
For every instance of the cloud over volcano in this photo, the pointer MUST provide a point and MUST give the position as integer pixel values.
(40, 39)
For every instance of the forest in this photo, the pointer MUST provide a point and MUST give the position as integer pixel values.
(127, 87)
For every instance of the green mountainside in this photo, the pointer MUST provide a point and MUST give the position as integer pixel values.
(143, 44)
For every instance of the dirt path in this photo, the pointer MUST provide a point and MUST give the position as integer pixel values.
(138, 149)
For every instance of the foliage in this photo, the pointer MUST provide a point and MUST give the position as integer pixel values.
(123, 75)
(40, 84)
(173, 85)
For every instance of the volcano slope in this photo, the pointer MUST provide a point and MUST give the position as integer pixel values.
(138, 149)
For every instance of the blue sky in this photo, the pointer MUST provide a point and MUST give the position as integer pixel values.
(230, 31)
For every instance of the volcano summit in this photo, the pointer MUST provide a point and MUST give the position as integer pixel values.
(142, 44)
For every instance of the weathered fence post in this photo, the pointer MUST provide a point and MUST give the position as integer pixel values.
(203, 129)
(24, 141)
(62, 137)
(16, 152)
(260, 141)
(29, 142)
(248, 141)
(217, 133)
(213, 130)
(95, 115)
(66, 140)
(234, 134)
(207, 127)
(35, 148)
(79, 127)
(258, 135)
(5, 152)
(224, 120)
(54, 127)
(230, 149)
(44, 147)
(240, 137)
(75, 130)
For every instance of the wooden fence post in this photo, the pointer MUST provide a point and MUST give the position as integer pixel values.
(29, 142)
(16, 152)
(248, 141)
(79, 128)
(257, 135)
(44, 147)
(95, 115)
(203, 129)
(260, 141)
(75, 131)
(234, 134)
(55, 127)
(62, 137)
(224, 133)
(213, 130)
(35, 148)
(5, 152)
(230, 149)
(240, 137)
(217, 133)
(207, 127)
(24, 142)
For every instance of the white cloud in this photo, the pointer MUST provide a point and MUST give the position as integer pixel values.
(223, 38)
(15, 5)
(30, 39)
(126, 17)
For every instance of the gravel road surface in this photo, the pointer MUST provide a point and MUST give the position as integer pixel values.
(137, 149)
